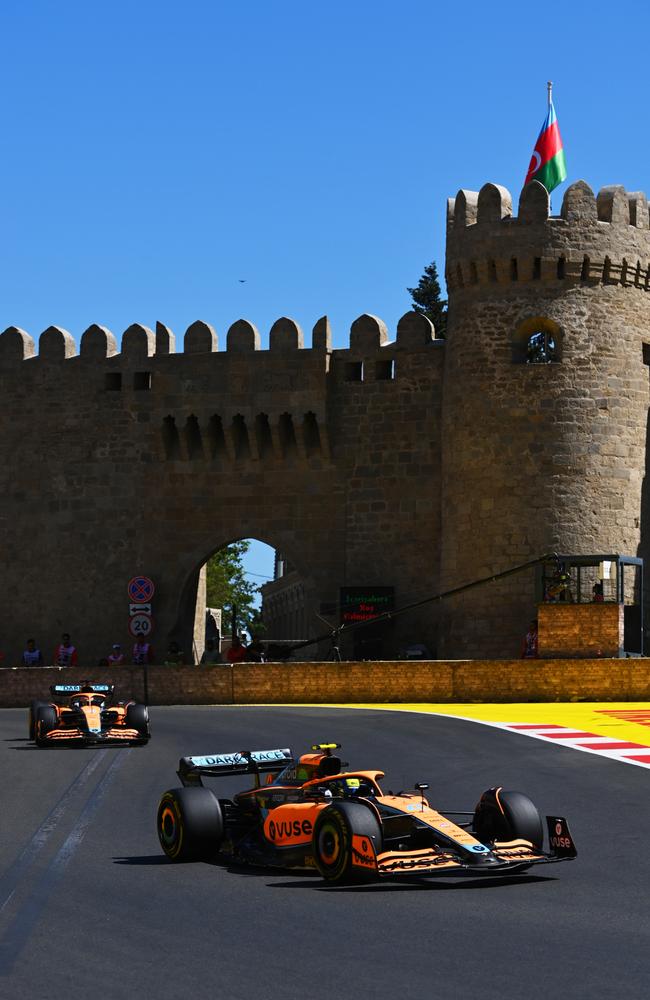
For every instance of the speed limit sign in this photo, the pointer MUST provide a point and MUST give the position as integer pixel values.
(140, 626)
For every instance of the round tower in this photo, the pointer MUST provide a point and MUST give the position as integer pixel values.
(545, 398)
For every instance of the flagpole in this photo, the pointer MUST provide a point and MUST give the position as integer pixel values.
(549, 88)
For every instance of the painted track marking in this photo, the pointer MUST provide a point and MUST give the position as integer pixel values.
(630, 721)
(29, 854)
(18, 932)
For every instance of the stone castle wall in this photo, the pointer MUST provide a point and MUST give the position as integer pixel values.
(412, 462)
(147, 461)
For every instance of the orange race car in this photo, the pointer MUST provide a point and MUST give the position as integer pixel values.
(312, 813)
(85, 715)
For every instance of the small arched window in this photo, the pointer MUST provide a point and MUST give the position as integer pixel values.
(537, 341)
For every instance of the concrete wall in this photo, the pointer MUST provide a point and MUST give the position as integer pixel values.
(327, 683)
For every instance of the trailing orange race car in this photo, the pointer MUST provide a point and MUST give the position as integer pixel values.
(85, 715)
(311, 813)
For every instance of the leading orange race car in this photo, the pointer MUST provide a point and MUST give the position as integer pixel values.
(310, 813)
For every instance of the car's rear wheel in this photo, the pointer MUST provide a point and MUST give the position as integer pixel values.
(47, 719)
(137, 717)
(33, 711)
(190, 824)
(346, 839)
(507, 815)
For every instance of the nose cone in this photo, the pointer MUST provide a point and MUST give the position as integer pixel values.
(93, 718)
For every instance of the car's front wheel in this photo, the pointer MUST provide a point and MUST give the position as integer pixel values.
(346, 839)
(190, 824)
(47, 719)
(137, 717)
(33, 712)
(505, 815)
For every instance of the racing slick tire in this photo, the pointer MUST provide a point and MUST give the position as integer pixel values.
(33, 711)
(332, 842)
(47, 718)
(137, 717)
(190, 824)
(505, 815)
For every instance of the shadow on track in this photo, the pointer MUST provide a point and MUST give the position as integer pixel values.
(421, 884)
(313, 881)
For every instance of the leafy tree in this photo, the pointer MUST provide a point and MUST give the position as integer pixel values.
(227, 584)
(426, 299)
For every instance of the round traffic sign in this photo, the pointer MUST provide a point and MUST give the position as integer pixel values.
(140, 589)
(140, 626)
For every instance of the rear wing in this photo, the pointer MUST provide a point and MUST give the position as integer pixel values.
(222, 765)
(61, 690)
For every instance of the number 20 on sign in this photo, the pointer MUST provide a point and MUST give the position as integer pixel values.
(140, 626)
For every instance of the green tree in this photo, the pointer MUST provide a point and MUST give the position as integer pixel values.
(426, 299)
(227, 584)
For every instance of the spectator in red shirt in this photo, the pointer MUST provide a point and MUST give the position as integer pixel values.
(529, 647)
(65, 654)
(237, 652)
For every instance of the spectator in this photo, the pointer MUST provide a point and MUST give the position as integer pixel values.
(211, 653)
(211, 627)
(65, 654)
(237, 652)
(142, 653)
(32, 657)
(175, 655)
(529, 647)
(117, 657)
(597, 591)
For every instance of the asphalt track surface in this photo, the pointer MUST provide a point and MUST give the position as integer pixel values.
(88, 904)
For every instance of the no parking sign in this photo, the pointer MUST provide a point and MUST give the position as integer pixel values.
(140, 590)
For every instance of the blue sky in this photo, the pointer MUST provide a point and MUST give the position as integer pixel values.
(153, 154)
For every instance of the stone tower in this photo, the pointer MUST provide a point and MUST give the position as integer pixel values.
(540, 456)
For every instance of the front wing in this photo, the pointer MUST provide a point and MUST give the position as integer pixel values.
(503, 858)
(114, 736)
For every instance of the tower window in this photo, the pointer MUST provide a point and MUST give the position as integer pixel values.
(537, 341)
(541, 348)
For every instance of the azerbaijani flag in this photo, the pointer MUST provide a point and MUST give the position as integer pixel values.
(547, 164)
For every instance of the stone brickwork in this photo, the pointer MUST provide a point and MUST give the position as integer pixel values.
(408, 462)
(386, 682)
(540, 457)
(577, 630)
(147, 461)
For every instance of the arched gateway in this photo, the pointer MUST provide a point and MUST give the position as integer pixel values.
(147, 461)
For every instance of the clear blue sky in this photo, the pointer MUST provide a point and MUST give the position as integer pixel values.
(154, 153)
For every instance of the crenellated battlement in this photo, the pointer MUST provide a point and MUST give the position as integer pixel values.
(140, 344)
(603, 239)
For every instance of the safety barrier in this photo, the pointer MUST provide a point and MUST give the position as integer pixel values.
(350, 682)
